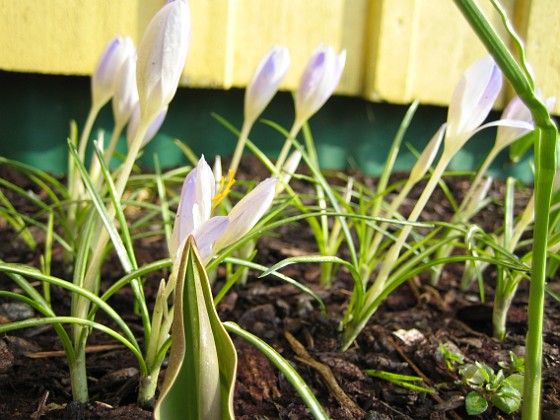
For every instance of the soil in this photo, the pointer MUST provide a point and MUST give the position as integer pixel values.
(402, 337)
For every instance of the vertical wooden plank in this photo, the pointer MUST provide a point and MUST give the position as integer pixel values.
(231, 36)
(66, 37)
(539, 23)
(418, 49)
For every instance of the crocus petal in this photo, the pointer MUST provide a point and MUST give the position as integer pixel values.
(207, 233)
(195, 204)
(106, 71)
(265, 82)
(152, 129)
(318, 82)
(472, 101)
(247, 212)
(516, 110)
(161, 57)
(126, 93)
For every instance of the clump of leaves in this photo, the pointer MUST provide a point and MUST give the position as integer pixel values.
(502, 389)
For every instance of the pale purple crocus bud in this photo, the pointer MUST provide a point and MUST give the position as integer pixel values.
(161, 57)
(125, 99)
(265, 82)
(107, 69)
(247, 212)
(471, 102)
(318, 82)
(152, 129)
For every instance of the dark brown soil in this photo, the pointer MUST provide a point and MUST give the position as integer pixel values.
(402, 337)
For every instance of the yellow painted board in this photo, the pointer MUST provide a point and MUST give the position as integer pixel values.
(397, 50)
(418, 50)
(65, 37)
(540, 22)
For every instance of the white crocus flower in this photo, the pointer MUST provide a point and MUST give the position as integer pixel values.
(198, 197)
(125, 98)
(265, 82)
(471, 102)
(319, 80)
(161, 57)
(107, 69)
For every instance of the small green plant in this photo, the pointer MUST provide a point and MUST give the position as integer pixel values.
(451, 359)
(502, 389)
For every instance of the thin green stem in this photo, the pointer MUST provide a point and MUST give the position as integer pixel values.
(545, 170)
(287, 145)
(242, 140)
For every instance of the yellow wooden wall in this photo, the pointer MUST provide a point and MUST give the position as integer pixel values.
(398, 50)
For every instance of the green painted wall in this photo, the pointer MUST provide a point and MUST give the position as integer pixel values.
(36, 110)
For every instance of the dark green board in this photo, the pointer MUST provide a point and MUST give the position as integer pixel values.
(36, 111)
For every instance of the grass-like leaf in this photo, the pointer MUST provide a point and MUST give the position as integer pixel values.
(203, 361)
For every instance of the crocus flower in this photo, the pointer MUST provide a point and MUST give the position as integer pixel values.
(152, 129)
(265, 82)
(471, 102)
(161, 57)
(318, 82)
(211, 234)
(107, 69)
(247, 212)
(126, 93)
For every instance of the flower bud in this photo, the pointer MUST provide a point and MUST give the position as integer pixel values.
(265, 82)
(161, 57)
(125, 99)
(105, 74)
(318, 82)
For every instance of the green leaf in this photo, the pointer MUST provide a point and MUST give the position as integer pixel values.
(202, 364)
(508, 399)
(475, 404)
(515, 381)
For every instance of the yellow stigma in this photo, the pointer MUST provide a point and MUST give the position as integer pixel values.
(224, 189)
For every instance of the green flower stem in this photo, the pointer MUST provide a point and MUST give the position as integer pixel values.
(92, 115)
(242, 140)
(288, 144)
(545, 169)
(117, 130)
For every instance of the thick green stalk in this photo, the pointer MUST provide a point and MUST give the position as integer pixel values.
(545, 169)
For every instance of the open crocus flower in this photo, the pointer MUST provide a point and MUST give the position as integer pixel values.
(265, 82)
(107, 69)
(319, 80)
(199, 196)
(161, 57)
(471, 102)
